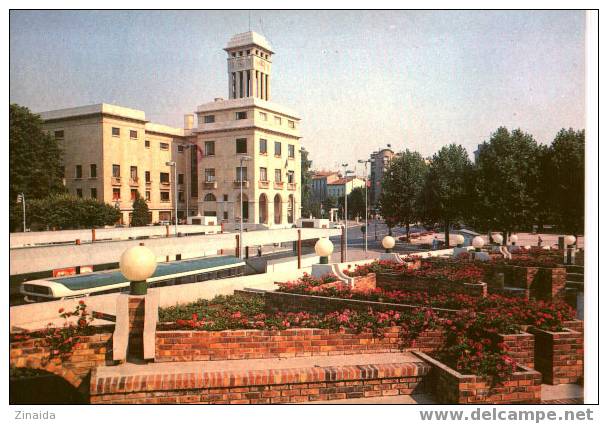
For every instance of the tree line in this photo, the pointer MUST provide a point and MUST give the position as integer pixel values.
(513, 183)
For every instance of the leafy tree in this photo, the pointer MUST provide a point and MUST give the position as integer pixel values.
(566, 171)
(141, 213)
(356, 202)
(506, 181)
(402, 185)
(329, 203)
(308, 205)
(64, 212)
(35, 166)
(447, 197)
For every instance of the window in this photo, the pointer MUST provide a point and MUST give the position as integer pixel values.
(277, 120)
(263, 174)
(241, 145)
(147, 195)
(291, 177)
(78, 171)
(147, 174)
(147, 144)
(59, 135)
(263, 146)
(248, 52)
(241, 115)
(164, 178)
(225, 197)
(263, 116)
(116, 193)
(225, 214)
(133, 194)
(93, 193)
(180, 196)
(164, 146)
(277, 148)
(291, 124)
(79, 192)
(209, 119)
(291, 150)
(241, 172)
(93, 170)
(115, 132)
(277, 175)
(180, 179)
(180, 149)
(134, 173)
(209, 175)
(133, 134)
(164, 196)
(209, 148)
(209, 197)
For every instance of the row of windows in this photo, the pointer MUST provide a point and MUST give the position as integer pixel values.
(164, 176)
(116, 194)
(241, 173)
(242, 53)
(241, 148)
(133, 135)
(210, 119)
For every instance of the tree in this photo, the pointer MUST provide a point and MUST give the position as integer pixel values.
(567, 176)
(329, 203)
(506, 181)
(356, 202)
(65, 212)
(447, 197)
(141, 213)
(35, 166)
(308, 205)
(402, 185)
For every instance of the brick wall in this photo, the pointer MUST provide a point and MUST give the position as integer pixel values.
(91, 351)
(551, 284)
(558, 355)
(451, 387)
(173, 346)
(520, 347)
(137, 311)
(399, 282)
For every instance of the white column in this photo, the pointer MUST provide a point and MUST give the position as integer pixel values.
(262, 79)
(267, 87)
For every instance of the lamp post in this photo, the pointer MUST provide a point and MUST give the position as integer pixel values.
(324, 248)
(345, 215)
(569, 241)
(478, 243)
(242, 159)
(365, 235)
(388, 243)
(137, 264)
(513, 239)
(174, 165)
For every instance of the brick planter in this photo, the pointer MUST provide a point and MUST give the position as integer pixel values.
(451, 387)
(519, 346)
(176, 346)
(551, 284)
(558, 355)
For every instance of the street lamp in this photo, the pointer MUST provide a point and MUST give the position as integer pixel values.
(388, 243)
(345, 165)
(137, 264)
(242, 159)
(174, 165)
(21, 199)
(324, 248)
(478, 243)
(570, 242)
(365, 235)
(513, 239)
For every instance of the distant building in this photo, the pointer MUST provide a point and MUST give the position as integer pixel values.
(380, 161)
(319, 183)
(337, 188)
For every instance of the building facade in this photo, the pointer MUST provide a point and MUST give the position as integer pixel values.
(111, 153)
(249, 143)
(379, 163)
(244, 143)
(337, 188)
(319, 183)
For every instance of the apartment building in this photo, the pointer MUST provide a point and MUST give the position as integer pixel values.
(111, 153)
(337, 188)
(379, 162)
(319, 183)
(249, 143)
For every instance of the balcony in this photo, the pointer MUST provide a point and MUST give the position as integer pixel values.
(292, 186)
(116, 181)
(210, 185)
(165, 183)
(278, 185)
(149, 182)
(134, 181)
(263, 184)
(237, 184)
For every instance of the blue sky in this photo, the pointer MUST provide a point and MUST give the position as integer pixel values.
(359, 79)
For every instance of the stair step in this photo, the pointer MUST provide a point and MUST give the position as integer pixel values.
(572, 276)
(575, 268)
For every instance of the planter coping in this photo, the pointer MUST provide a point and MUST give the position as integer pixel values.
(565, 331)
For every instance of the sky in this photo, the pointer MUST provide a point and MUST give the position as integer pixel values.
(359, 79)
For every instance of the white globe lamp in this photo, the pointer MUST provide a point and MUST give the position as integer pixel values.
(478, 243)
(513, 239)
(388, 243)
(137, 264)
(459, 239)
(324, 248)
(497, 238)
(569, 240)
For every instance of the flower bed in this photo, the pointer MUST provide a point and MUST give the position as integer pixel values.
(523, 385)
